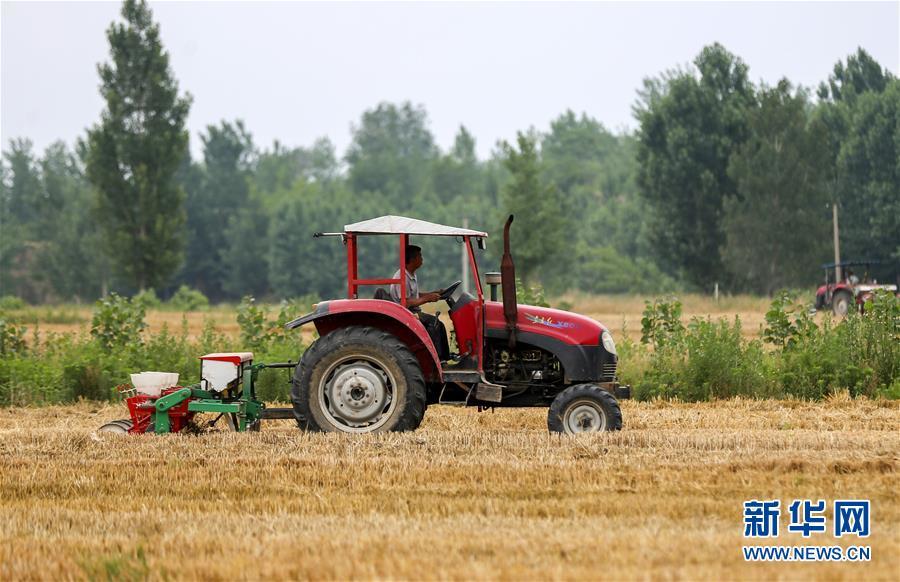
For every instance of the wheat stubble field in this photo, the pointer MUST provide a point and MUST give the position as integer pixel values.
(468, 496)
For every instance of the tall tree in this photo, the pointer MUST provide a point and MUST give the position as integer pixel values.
(135, 151)
(689, 126)
(538, 235)
(19, 205)
(391, 152)
(870, 164)
(72, 262)
(213, 204)
(776, 223)
(859, 108)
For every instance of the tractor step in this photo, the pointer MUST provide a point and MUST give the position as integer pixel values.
(462, 376)
(277, 414)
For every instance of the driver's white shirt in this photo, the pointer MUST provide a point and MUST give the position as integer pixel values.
(412, 288)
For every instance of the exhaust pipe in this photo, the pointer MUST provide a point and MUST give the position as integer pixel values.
(508, 284)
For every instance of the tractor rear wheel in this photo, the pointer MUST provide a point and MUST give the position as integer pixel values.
(358, 379)
(840, 303)
(584, 408)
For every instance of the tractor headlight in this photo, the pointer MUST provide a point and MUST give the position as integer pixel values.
(608, 342)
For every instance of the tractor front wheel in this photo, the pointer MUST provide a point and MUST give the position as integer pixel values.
(840, 303)
(584, 408)
(358, 379)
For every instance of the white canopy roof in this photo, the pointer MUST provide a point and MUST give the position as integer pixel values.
(404, 225)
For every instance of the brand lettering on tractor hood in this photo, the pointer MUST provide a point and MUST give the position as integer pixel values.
(548, 321)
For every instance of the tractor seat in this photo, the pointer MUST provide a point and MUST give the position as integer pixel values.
(382, 294)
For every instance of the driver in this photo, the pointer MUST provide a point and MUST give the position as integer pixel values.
(433, 325)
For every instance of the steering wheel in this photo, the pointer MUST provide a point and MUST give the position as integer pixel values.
(448, 292)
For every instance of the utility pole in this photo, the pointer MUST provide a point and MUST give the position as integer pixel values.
(837, 245)
(465, 261)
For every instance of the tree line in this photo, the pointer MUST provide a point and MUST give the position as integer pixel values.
(724, 181)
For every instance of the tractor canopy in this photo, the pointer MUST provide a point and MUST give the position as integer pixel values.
(403, 225)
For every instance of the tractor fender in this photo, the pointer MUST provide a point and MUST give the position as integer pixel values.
(387, 315)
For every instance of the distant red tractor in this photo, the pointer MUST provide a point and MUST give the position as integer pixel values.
(374, 367)
(851, 291)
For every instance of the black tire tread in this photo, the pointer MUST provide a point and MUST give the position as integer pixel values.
(606, 400)
(413, 412)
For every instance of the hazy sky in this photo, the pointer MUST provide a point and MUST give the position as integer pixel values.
(298, 71)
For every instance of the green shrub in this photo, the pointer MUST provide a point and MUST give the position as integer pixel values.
(11, 303)
(117, 321)
(253, 319)
(709, 360)
(787, 322)
(530, 295)
(860, 354)
(187, 299)
(12, 338)
(661, 323)
(147, 299)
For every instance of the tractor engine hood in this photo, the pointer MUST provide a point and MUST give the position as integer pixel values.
(568, 327)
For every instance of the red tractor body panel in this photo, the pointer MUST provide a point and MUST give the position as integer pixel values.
(565, 326)
(469, 327)
(387, 315)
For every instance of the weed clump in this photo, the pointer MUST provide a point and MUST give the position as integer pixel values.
(794, 357)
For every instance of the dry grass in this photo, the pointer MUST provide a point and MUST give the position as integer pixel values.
(469, 495)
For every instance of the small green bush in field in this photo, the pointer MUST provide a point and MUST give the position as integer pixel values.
(147, 299)
(787, 322)
(253, 320)
(661, 323)
(11, 303)
(117, 321)
(530, 295)
(710, 359)
(12, 338)
(187, 299)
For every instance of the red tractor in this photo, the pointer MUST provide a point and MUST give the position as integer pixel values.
(374, 367)
(851, 291)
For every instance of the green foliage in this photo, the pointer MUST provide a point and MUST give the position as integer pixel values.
(135, 150)
(530, 294)
(787, 322)
(62, 368)
(12, 338)
(219, 211)
(778, 208)
(120, 566)
(117, 321)
(187, 299)
(719, 174)
(147, 299)
(860, 106)
(690, 124)
(11, 302)
(711, 359)
(538, 234)
(661, 324)
(604, 269)
(253, 320)
(391, 152)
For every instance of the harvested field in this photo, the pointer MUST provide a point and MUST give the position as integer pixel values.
(469, 495)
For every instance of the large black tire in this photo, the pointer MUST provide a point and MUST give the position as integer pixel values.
(841, 302)
(584, 408)
(358, 379)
